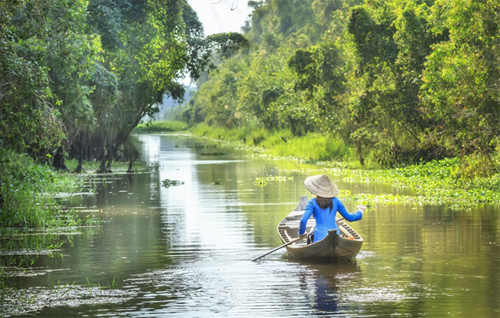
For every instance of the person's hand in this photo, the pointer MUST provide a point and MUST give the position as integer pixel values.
(303, 236)
(361, 208)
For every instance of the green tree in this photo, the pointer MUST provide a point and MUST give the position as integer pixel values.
(461, 76)
(154, 44)
(392, 42)
(71, 64)
(400, 81)
(28, 119)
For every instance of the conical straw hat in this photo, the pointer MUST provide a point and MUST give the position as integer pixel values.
(321, 186)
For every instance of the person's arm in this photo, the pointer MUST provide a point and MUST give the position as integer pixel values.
(307, 214)
(351, 217)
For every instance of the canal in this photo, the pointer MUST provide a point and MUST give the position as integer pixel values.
(185, 250)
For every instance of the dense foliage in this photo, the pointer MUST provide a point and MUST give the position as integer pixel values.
(76, 77)
(398, 81)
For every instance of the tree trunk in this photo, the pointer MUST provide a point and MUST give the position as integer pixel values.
(79, 168)
(360, 153)
(102, 166)
(105, 166)
(1, 197)
(58, 162)
(108, 166)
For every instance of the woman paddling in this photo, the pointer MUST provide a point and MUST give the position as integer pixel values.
(324, 207)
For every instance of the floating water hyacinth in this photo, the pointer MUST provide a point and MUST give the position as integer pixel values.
(274, 178)
(262, 181)
(167, 183)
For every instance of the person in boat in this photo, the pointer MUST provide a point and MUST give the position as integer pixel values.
(324, 207)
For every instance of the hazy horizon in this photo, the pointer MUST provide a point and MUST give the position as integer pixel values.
(217, 16)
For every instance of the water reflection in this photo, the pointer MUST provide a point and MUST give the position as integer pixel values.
(328, 280)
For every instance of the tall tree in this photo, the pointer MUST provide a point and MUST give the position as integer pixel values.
(462, 76)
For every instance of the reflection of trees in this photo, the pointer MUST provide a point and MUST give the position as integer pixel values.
(263, 206)
(428, 246)
(130, 239)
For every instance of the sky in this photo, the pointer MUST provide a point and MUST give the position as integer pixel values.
(217, 16)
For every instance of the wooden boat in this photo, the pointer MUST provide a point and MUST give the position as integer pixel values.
(333, 247)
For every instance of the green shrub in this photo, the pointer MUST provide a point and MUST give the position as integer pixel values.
(475, 166)
(312, 146)
(25, 193)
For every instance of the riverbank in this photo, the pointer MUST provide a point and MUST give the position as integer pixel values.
(160, 127)
(459, 183)
(436, 182)
(310, 148)
(27, 193)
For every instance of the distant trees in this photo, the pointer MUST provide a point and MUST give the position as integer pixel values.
(400, 81)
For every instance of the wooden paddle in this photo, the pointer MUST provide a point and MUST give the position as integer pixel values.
(277, 248)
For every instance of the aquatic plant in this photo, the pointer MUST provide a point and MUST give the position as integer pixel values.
(436, 182)
(33, 299)
(169, 183)
(219, 153)
(113, 283)
(20, 249)
(262, 181)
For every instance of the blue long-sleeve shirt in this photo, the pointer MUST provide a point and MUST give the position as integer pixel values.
(325, 220)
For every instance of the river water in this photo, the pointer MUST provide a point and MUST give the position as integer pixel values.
(185, 251)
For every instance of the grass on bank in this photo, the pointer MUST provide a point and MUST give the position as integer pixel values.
(311, 147)
(26, 193)
(161, 126)
(32, 221)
